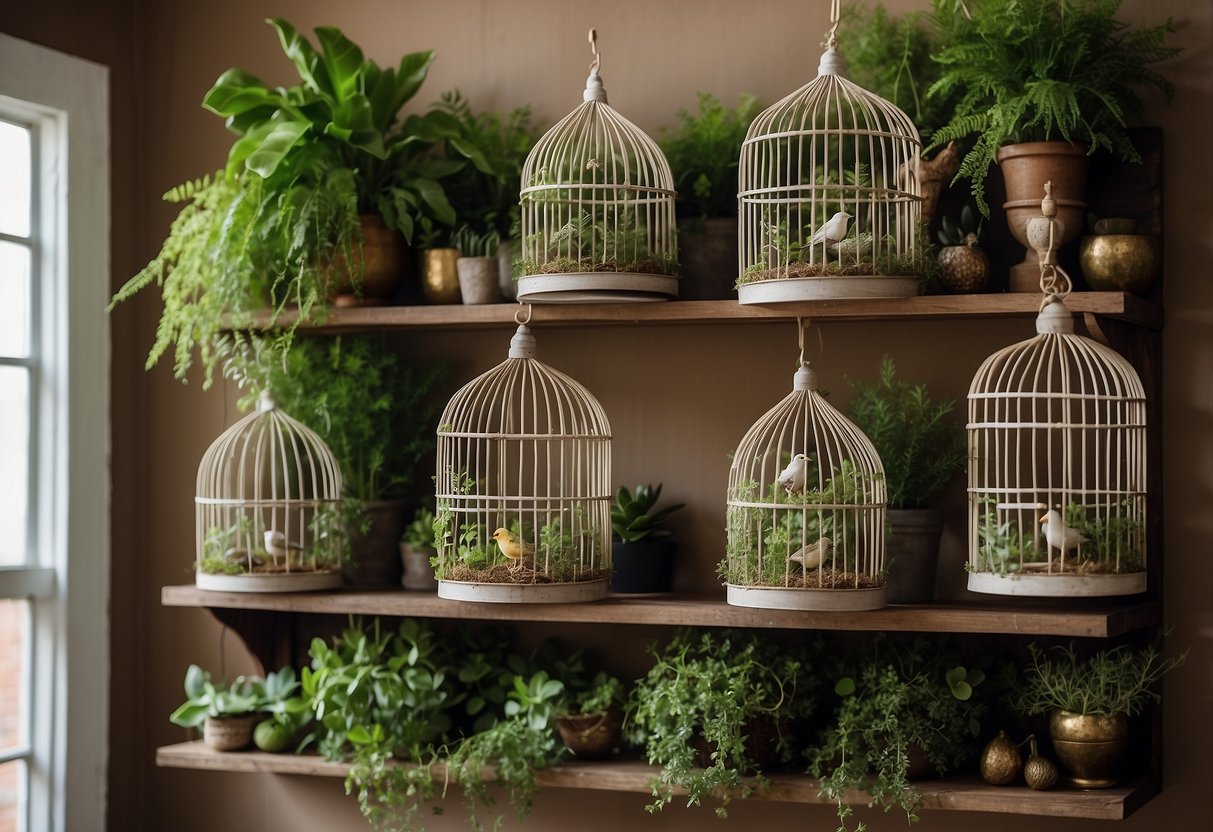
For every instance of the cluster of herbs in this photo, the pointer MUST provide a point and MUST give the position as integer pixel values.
(703, 151)
(1119, 680)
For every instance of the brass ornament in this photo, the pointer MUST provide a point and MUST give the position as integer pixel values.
(1000, 760)
(1039, 772)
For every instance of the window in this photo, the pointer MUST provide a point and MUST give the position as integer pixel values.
(54, 440)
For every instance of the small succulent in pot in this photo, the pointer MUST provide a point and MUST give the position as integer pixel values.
(643, 548)
(963, 266)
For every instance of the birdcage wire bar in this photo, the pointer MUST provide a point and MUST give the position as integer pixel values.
(829, 149)
(267, 507)
(524, 451)
(807, 537)
(597, 209)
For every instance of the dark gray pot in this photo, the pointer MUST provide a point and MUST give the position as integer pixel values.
(644, 566)
(375, 556)
(912, 552)
(707, 259)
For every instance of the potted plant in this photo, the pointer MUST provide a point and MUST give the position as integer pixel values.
(642, 551)
(376, 414)
(963, 266)
(921, 449)
(322, 181)
(287, 711)
(714, 708)
(1115, 257)
(1042, 85)
(1089, 702)
(904, 709)
(477, 264)
(226, 713)
(703, 150)
(417, 551)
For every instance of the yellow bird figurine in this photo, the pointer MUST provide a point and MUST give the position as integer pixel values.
(813, 555)
(514, 549)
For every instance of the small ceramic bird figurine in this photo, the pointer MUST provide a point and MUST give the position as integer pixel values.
(1058, 536)
(792, 478)
(278, 546)
(515, 550)
(834, 230)
(813, 555)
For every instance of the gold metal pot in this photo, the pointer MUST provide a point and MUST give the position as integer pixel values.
(1089, 746)
(379, 259)
(1121, 262)
(440, 275)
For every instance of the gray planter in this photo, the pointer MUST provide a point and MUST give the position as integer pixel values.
(912, 552)
(707, 259)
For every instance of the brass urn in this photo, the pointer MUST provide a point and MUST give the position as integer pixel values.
(1089, 746)
(1120, 262)
(440, 275)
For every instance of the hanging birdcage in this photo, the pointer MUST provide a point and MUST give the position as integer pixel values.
(597, 209)
(1057, 457)
(806, 509)
(523, 486)
(829, 194)
(267, 508)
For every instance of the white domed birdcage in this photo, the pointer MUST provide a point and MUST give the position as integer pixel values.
(806, 509)
(523, 486)
(597, 209)
(267, 508)
(1057, 458)
(829, 194)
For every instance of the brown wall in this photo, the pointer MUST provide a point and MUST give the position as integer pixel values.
(664, 389)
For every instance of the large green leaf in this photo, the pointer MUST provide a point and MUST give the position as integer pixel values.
(352, 124)
(277, 143)
(435, 198)
(307, 63)
(343, 60)
(236, 92)
(412, 72)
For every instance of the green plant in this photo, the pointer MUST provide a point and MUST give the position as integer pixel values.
(282, 221)
(206, 699)
(717, 690)
(1031, 70)
(955, 232)
(1000, 546)
(472, 243)
(633, 516)
(1122, 679)
(703, 151)
(1116, 538)
(419, 533)
(594, 243)
(893, 696)
(920, 447)
(280, 701)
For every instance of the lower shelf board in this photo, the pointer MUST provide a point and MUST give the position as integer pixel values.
(965, 794)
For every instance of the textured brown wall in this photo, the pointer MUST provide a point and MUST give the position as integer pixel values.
(664, 389)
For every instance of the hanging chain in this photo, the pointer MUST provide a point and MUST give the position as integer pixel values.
(593, 38)
(835, 17)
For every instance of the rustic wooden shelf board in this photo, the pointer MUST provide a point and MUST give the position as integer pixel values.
(1109, 304)
(1082, 621)
(967, 793)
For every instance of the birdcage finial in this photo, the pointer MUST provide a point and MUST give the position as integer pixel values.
(522, 345)
(266, 402)
(594, 91)
(832, 62)
(1043, 233)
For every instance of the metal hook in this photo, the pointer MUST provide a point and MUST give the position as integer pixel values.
(593, 38)
(518, 319)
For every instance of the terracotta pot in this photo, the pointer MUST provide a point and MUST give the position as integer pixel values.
(478, 278)
(590, 736)
(418, 572)
(1025, 169)
(1121, 262)
(375, 554)
(707, 259)
(913, 551)
(1089, 746)
(440, 275)
(381, 259)
(228, 733)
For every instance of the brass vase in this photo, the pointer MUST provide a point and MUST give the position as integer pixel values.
(1089, 746)
(1120, 262)
(440, 275)
(380, 258)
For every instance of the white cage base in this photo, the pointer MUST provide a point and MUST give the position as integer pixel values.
(799, 289)
(1057, 586)
(832, 600)
(279, 582)
(597, 287)
(565, 593)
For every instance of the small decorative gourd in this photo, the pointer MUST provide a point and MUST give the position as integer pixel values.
(963, 266)
(1039, 772)
(1000, 760)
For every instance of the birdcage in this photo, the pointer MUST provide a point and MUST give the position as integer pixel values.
(1057, 458)
(267, 510)
(829, 193)
(523, 486)
(806, 509)
(597, 209)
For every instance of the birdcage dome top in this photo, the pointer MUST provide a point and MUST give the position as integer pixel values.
(523, 397)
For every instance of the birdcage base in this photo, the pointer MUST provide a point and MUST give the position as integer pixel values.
(563, 593)
(782, 598)
(1058, 586)
(597, 287)
(799, 289)
(278, 582)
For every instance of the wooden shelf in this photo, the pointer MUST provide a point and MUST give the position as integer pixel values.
(1116, 305)
(968, 793)
(1080, 620)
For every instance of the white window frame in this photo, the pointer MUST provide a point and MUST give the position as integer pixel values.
(67, 99)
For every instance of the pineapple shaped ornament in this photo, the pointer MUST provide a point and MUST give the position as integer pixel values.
(963, 266)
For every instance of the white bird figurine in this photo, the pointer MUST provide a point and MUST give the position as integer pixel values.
(1058, 536)
(278, 546)
(792, 478)
(813, 555)
(835, 229)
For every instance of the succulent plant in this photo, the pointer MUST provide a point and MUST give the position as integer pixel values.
(963, 267)
(632, 516)
(956, 233)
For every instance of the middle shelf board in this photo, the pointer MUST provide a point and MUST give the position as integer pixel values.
(965, 793)
(1085, 621)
